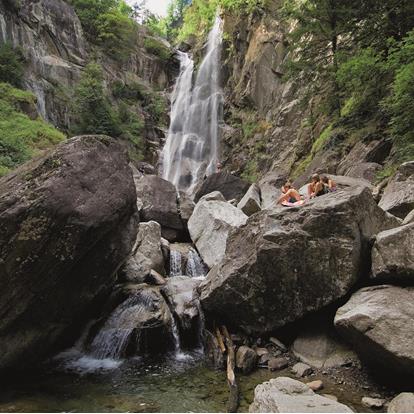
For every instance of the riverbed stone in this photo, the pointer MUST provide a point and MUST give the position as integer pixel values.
(316, 385)
(402, 403)
(246, 359)
(154, 278)
(285, 263)
(377, 321)
(286, 395)
(276, 364)
(250, 203)
(409, 218)
(375, 403)
(393, 254)
(398, 197)
(210, 225)
(68, 220)
(302, 370)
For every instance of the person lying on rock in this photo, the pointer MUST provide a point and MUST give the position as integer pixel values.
(328, 183)
(289, 194)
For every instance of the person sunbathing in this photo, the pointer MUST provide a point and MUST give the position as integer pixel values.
(317, 187)
(329, 183)
(289, 194)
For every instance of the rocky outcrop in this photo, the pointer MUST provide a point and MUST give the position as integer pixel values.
(157, 199)
(146, 254)
(398, 197)
(288, 262)
(378, 322)
(67, 222)
(209, 226)
(230, 186)
(286, 395)
(402, 403)
(246, 359)
(251, 201)
(393, 254)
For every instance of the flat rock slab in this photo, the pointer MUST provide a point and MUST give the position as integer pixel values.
(378, 321)
(286, 395)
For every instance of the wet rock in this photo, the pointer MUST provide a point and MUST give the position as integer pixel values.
(286, 395)
(409, 218)
(215, 356)
(365, 322)
(402, 403)
(375, 403)
(158, 199)
(322, 349)
(261, 351)
(186, 206)
(302, 370)
(228, 185)
(210, 224)
(316, 385)
(246, 359)
(264, 359)
(59, 253)
(393, 254)
(146, 254)
(154, 278)
(278, 343)
(250, 203)
(398, 197)
(276, 364)
(165, 248)
(286, 263)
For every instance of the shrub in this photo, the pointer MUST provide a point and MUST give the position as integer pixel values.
(11, 64)
(157, 48)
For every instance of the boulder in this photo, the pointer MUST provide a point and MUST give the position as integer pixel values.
(393, 254)
(378, 322)
(158, 202)
(154, 278)
(409, 218)
(276, 364)
(322, 349)
(146, 254)
(288, 262)
(186, 206)
(402, 403)
(210, 224)
(228, 185)
(365, 170)
(374, 403)
(250, 203)
(302, 370)
(270, 188)
(286, 395)
(67, 222)
(246, 359)
(398, 197)
(316, 385)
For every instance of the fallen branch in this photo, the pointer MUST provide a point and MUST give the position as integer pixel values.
(233, 403)
(220, 341)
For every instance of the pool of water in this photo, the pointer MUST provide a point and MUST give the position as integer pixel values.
(175, 383)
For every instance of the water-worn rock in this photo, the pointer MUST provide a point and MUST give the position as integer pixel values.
(321, 349)
(398, 197)
(276, 364)
(228, 185)
(186, 206)
(409, 218)
(250, 203)
(146, 254)
(67, 222)
(246, 359)
(286, 395)
(154, 278)
(402, 403)
(288, 262)
(209, 226)
(378, 322)
(316, 385)
(158, 199)
(302, 370)
(393, 254)
(375, 403)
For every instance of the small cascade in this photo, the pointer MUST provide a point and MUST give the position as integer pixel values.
(38, 90)
(175, 263)
(195, 266)
(176, 335)
(3, 29)
(201, 326)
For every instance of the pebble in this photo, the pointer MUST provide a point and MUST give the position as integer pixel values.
(315, 385)
(301, 370)
(372, 402)
(276, 364)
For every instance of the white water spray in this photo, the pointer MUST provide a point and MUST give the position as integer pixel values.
(192, 147)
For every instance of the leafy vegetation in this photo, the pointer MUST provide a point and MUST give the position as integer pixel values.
(21, 137)
(157, 48)
(11, 64)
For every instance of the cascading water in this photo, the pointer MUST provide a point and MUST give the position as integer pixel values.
(175, 263)
(192, 146)
(195, 266)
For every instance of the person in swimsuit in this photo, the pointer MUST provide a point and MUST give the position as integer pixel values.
(329, 183)
(289, 194)
(316, 187)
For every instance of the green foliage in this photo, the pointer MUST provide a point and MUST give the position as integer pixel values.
(133, 91)
(11, 64)
(250, 172)
(21, 137)
(92, 110)
(157, 48)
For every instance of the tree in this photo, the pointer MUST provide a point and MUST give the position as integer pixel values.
(11, 64)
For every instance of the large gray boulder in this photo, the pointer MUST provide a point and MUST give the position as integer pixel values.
(402, 403)
(146, 254)
(288, 262)
(398, 197)
(251, 201)
(209, 225)
(286, 395)
(158, 201)
(229, 185)
(378, 321)
(393, 254)
(67, 222)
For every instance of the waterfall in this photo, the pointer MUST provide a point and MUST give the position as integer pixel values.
(192, 146)
(3, 29)
(195, 266)
(175, 263)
